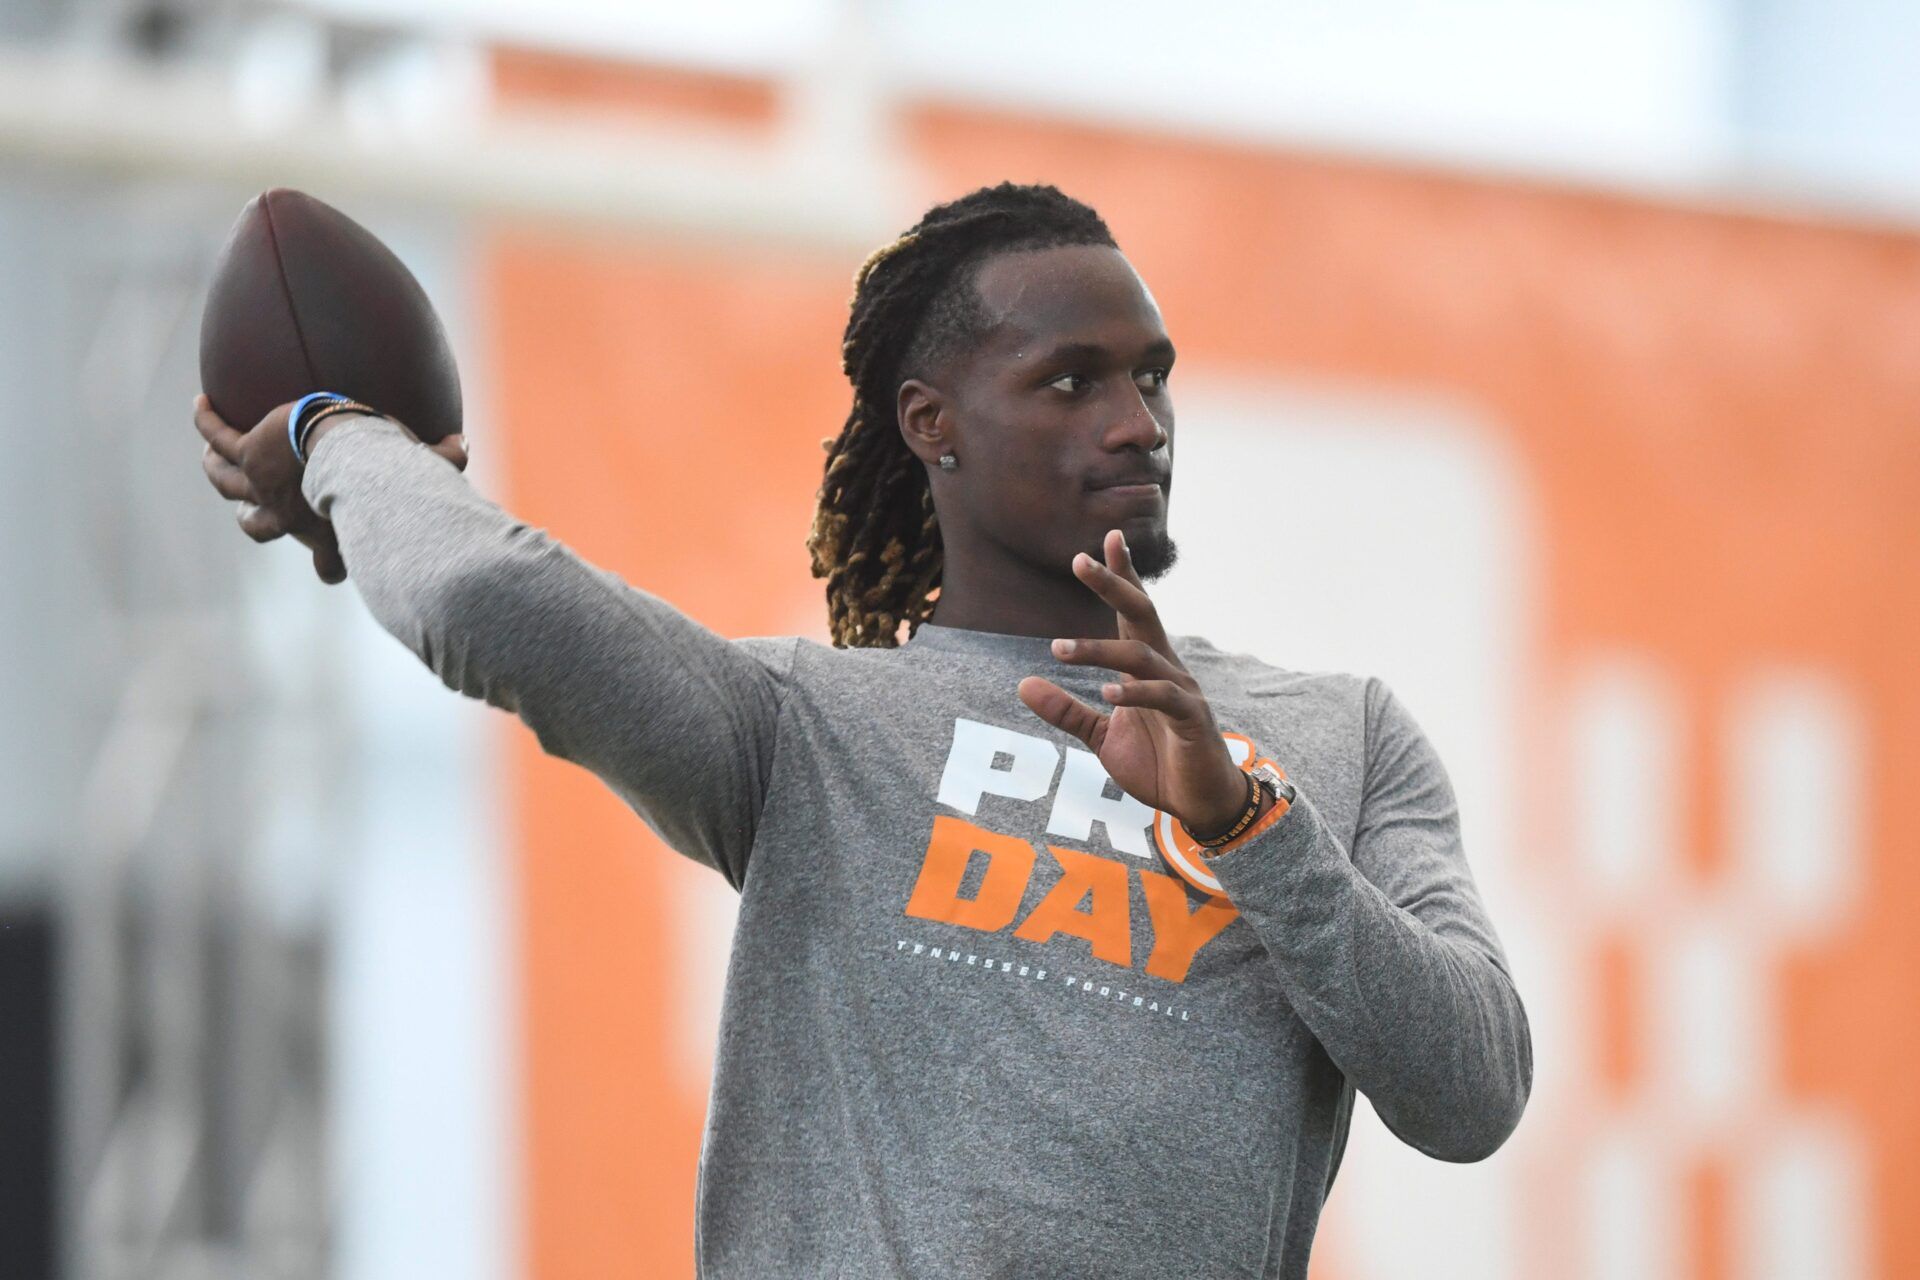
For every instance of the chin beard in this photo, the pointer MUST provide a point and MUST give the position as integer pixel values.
(1153, 554)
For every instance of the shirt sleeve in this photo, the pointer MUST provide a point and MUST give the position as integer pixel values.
(679, 721)
(1386, 951)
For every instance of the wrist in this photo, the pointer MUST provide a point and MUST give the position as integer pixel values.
(1217, 818)
(318, 431)
(1277, 794)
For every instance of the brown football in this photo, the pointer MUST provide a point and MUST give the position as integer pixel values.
(306, 299)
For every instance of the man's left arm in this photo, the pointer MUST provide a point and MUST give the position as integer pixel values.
(1388, 954)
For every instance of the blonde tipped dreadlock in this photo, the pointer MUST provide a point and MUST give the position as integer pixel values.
(876, 537)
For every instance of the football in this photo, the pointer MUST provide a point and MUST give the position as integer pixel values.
(303, 299)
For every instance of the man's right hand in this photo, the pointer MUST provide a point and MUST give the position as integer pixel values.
(257, 470)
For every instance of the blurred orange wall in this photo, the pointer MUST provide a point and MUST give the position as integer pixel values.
(1717, 413)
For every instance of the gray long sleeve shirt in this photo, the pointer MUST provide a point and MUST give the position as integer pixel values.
(974, 1024)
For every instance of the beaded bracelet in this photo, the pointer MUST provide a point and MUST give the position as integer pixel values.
(327, 410)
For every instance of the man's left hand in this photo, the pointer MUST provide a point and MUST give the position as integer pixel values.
(1159, 743)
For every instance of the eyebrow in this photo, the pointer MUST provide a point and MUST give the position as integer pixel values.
(1158, 349)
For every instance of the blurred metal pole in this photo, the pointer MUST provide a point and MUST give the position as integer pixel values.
(191, 1027)
(135, 767)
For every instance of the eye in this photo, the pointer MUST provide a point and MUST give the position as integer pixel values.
(1071, 383)
(1155, 379)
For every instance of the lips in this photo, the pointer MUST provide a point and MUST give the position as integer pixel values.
(1147, 492)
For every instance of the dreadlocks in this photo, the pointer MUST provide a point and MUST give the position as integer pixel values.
(876, 539)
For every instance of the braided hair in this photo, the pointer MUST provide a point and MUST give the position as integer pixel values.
(876, 537)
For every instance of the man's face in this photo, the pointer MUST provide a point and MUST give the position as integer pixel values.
(1064, 398)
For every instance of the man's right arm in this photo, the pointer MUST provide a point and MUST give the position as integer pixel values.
(678, 720)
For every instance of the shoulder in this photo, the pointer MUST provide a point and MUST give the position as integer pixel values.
(1236, 671)
(1359, 710)
(802, 658)
(775, 653)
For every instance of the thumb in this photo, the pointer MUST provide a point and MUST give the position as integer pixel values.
(1060, 709)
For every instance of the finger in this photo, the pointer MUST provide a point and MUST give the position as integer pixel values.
(1124, 566)
(1133, 656)
(1159, 695)
(327, 561)
(228, 480)
(223, 438)
(259, 523)
(1063, 711)
(1127, 599)
(328, 564)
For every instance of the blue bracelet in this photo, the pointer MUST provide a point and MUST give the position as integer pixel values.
(293, 419)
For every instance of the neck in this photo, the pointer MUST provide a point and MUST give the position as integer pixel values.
(1011, 596)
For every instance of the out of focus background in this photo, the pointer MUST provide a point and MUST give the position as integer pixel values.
(1565, 359)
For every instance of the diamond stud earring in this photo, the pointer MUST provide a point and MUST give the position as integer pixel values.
(948, 462)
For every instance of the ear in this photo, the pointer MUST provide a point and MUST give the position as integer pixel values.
(924, 422)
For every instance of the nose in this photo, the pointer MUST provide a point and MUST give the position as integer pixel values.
(1137, 425)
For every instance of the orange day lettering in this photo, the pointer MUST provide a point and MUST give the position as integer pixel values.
(1089, 899)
